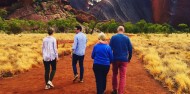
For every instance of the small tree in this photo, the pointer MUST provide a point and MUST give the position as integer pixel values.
(129, 27)
(3, 13)
(112, 26)
(142, 25)
(183, 27)
(15, 26)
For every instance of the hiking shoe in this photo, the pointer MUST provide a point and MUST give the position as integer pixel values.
(114, 92)
(47, 87)
(81, 81)
(75, 77)
(50, 83)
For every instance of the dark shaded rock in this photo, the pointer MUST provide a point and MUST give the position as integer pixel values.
(22, 12)
(4, 3)
(65, 2)
(68, 7)
(182, 13)
(36, 17)
(158, 11)
(79, 4)
(84, 17)
(123, 10)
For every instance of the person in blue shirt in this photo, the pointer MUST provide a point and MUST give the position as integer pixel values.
(102, 55)
(122, 53)
(78, 48)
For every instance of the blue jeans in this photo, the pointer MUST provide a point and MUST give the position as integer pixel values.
(75, 59)
(100, 72)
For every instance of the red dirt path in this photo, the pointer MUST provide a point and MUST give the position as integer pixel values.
(32, 82)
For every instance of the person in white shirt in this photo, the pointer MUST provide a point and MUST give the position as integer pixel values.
(50, 57)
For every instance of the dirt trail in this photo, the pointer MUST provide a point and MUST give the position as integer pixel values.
(138, 80)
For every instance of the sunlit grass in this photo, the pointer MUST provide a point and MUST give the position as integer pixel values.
(167, 58)
(19, 53)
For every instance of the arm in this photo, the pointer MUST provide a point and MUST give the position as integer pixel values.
(129, 50)
(111, 43)
(110, 54)
(86, 40)
(43, 45)
(57, 44)
(74, 44)
(55, 49)
(93, 53)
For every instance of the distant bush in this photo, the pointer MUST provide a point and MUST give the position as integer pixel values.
(67, 25)
(184, 28)
(15, 26)
(108, 27)
(143, 27)
(64, 25)
(3, 13)
(130, 28)
(3, 25)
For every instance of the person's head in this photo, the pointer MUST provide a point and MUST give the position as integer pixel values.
(78, 28)
(102, 36)
(51, 31)
(121, 29)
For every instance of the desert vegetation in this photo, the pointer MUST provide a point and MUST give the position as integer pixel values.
(21, 52)
(167, 59)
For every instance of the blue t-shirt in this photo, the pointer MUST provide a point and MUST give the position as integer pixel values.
(102, 54)
(122, 48)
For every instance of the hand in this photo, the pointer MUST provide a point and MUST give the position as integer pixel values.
(71, 55)
(57, 59)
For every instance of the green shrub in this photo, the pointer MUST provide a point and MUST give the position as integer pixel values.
(3, 25)
(131, 28)
(183, 27)
(108, 27)
(64, 25)
(15, 26)
(3, 13)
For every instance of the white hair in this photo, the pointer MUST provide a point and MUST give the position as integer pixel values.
(102, 36)
(121, 29)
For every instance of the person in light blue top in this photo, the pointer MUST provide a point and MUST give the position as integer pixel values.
(79, 45)
(78, 48)
(102, 55)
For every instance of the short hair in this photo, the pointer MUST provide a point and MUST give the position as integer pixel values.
(121, 28)
(51, 30)
(79, 27)
(102, 36)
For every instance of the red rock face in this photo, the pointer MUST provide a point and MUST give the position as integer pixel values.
(182, 13)
(160, 11)
(168, 11)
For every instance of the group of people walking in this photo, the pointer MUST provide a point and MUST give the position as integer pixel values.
(118, 53)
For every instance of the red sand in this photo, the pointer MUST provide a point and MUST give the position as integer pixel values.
(138, 80)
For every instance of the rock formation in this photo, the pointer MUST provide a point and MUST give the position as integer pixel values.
(157, 11)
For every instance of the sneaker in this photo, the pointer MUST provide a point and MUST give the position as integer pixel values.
(50, 83)
(114, 92)
(75, 77)
(81, 81)
(47, 87)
